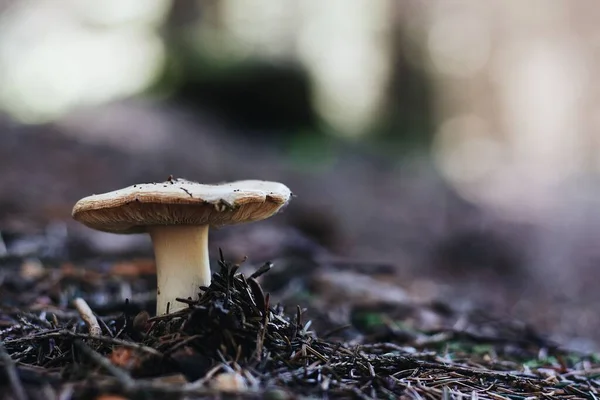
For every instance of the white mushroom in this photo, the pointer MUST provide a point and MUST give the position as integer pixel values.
(177, 214)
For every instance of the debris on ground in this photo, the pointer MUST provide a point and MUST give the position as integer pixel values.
(62, 337)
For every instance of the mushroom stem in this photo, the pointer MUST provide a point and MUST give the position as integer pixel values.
(182, 264)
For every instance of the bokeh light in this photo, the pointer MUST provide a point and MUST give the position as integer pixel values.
(53, 58)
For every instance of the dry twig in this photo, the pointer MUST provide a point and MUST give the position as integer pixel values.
(88, 316)
(11, 372)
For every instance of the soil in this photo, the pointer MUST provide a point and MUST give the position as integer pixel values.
(303, 327)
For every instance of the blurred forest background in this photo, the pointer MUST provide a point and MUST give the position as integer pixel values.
(455, 141)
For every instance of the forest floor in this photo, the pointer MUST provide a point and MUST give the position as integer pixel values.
(249, 335)
(426, 319)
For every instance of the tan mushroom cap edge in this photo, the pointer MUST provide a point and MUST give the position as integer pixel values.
(181, 202)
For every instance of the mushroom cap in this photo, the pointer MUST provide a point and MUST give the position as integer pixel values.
(180, 202)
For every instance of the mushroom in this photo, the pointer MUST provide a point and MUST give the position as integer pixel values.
(177, 214)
